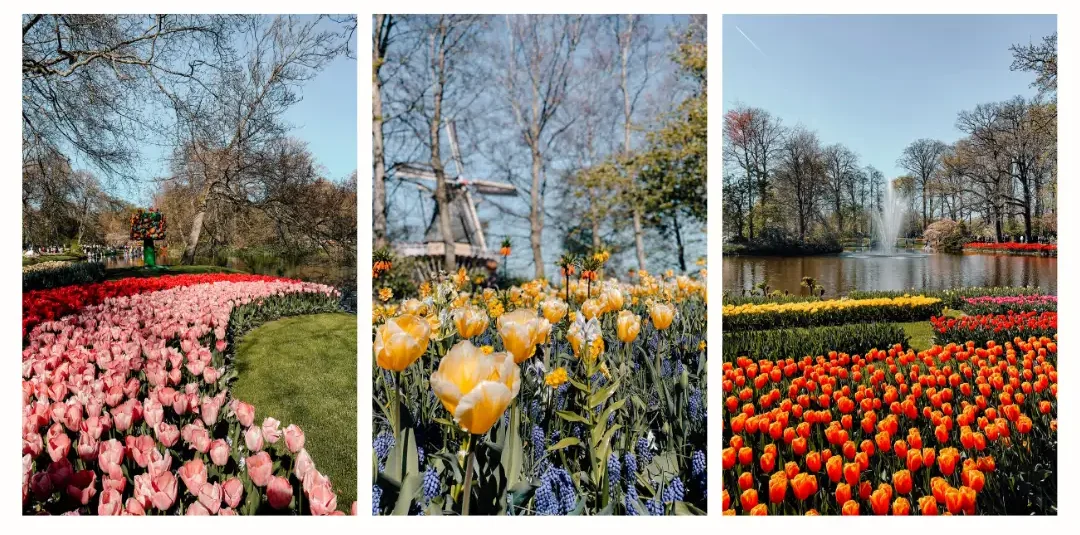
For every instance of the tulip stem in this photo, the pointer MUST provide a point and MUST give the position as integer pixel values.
(468, 476)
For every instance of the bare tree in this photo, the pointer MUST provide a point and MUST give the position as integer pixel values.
(922, 158)
(540, 66)
(382, 29)
(840, 166)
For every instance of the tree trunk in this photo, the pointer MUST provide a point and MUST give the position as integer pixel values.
(639, 241)
(536, 212)
(196, 230)
(678, 241)
(378, 200)
(595, 234)
(442, 196)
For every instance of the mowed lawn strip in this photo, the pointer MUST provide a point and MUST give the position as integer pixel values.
(922, 334)
(302, 371)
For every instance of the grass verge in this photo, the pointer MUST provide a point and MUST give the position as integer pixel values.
(302, 370)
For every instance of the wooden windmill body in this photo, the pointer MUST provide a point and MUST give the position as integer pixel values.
(470, 244)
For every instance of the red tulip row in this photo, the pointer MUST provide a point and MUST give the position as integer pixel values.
(54, 303)
(1012, 247)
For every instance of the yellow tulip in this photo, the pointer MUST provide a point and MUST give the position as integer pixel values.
(613, 299)
(592, 308)
(476, 388)
(470, 321)
(555, 310)
(400, 341)
(556, 378)
(661, 315)
(414, 307)
(629, 325)
(521, 330)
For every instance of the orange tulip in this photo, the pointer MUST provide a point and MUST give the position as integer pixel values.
(727, 457)
(901, 507)
(748, 499)
(746, 455)
(850, 508)
(928, 506)
(843, 493)
(746, 480)
(974, 479)
(851, 473)
(902, 481)
(967, 499)
(879, 502)
(759, 510)
(834, 468)
(803, 486)
(954, 500)
(727, 500)
(813, 461)
(947, 459)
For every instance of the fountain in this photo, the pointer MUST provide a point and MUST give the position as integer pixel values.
(889, 220)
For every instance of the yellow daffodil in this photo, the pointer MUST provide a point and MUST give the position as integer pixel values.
(400, 341)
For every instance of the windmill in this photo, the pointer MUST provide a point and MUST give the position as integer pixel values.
(470, 244)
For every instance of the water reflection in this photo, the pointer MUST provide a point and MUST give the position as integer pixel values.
(842, 273)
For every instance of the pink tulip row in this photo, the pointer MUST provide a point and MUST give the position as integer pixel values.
(1012, 300)
(127, 399)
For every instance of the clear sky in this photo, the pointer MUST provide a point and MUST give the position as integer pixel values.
(325, 118)
(875, 83)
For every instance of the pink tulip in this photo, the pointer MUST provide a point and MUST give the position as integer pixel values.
(210, 375)
(210, 497)
(109, 503)
(93, 426)
(227, 512)
(209, 410)
(304, 464)
(167, 434)
(352, 509)
(219, 452)
(134, 507)
(253, 438)
(270, 430)
(196, 509)
(294, 438)
(153, 412)
(139, 448)
(322, 500)
(279, 492)
(158, 463)
(233, 490)
(164, 491)
(193, 474)
(32, 444)
(87, 448)
(245, 413)
(58, 446)
(259, 468)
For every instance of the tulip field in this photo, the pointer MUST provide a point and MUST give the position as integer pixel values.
(126, 405)
(966, 426)
(582, 398)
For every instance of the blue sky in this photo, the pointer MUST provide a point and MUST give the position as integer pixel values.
(325, 118)
(875, 83)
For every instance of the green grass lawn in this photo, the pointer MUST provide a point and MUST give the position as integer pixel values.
(302, 370)
(922, 335)
(126, 272)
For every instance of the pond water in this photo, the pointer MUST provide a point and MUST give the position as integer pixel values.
(844, 272)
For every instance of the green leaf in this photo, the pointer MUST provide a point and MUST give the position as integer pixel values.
(404, 449)
(579, 385)
(409, 489)
(565, 443)
(513, 450)
(600, 396)
(572, 416)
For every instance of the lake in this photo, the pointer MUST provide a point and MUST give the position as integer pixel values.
(844, 272)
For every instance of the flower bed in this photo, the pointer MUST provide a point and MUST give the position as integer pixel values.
(796, 343)
(1012, 248)
(959, 429)
(593, 401)
(54, 303)
(1003, 305)
(58, 273)
(753, 317)
(126, 406)
(994, 327)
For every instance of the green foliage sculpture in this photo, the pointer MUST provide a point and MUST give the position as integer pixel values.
(148, 225)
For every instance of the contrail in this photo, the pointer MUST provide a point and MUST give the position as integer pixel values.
(747, 37)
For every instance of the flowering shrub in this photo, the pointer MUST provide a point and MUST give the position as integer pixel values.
(588, 398)
(1043, 248)
(754, 316)
(958, 429)
(126, 406)
(147, 224)
(1003, 305)
(54, 274)
(54, 303)
(994, 326)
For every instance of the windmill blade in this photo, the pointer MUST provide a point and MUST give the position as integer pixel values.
(413, 172)
(455, 149)
(490, 187)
